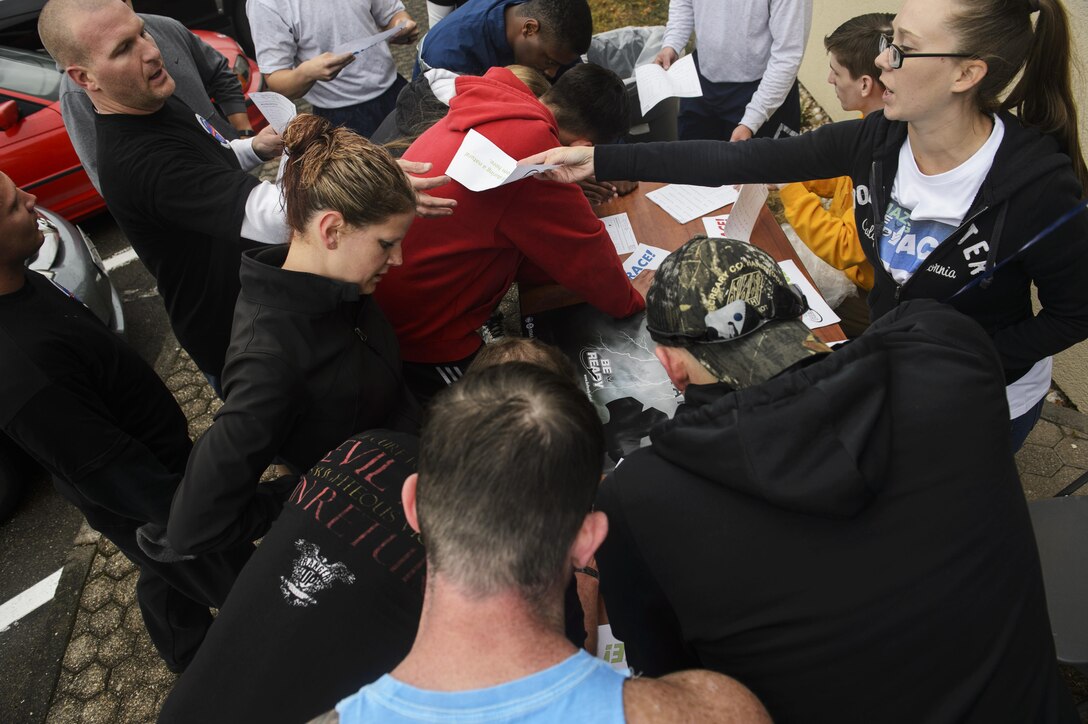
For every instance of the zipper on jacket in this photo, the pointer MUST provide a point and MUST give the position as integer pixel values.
(361, 333)
(965, 223)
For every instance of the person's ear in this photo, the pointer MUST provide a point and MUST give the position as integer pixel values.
(675, 367)
(408, 500)
(588, 539)
(970, 75)
(329, 226)
(867, 85)
(81, 77)
(529, 27)
(581, 142)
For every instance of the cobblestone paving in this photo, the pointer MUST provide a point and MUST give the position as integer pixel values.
(111, 671)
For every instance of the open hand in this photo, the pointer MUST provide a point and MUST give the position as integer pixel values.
(427, 205)
(642, 282)
(576, 163)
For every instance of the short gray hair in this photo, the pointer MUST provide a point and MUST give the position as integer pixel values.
(510, 459)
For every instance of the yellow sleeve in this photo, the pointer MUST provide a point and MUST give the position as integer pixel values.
(831, 234)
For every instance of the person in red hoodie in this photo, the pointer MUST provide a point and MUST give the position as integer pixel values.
(456, 269)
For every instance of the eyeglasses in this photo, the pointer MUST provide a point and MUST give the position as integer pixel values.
(898, 55)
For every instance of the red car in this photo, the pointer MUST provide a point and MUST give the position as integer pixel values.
(34, 147)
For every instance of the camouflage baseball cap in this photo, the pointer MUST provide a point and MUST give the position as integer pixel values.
(729, 304)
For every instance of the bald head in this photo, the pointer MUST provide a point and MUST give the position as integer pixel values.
(58, 27)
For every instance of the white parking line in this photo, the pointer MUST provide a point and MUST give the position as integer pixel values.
(29, 600)
(119, 259)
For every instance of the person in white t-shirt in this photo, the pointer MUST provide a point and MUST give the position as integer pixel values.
(964, 193)
(304, 49)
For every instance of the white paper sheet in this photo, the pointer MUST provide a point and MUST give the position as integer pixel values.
(745, 211)
(619, 228)
(655, 84)
(685, 203)
(715, 225)
(480, 165)
(643, 258)
(610, 648)
(819, 314)
(277, 109)
(357, 46)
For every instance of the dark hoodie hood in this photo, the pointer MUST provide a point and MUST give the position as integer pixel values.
(496, 96)
(816, 440)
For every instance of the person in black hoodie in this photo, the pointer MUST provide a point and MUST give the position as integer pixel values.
(951, 189)
(312, 359)
(847, 557)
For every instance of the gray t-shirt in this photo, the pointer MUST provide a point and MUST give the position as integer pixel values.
(198, 70)
(288, 32)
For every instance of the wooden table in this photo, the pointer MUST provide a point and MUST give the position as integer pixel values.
(655, 227)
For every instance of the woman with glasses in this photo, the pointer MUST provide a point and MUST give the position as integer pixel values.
(953, 181)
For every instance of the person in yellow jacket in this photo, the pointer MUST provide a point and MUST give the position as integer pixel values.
(830, 231)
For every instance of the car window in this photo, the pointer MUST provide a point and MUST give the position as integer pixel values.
(34, 74)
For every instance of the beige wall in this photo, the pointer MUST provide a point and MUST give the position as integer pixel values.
(1070, 367)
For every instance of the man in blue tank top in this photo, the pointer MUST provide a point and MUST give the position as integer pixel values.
(508, 469)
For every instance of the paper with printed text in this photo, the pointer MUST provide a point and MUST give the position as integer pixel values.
(619, 228)
(685, 203)
(357, 46)
(655, 84)
(277, 109)
(644, 258)
(819, 314)
(715, 226)
(480, 165)
(745, 211)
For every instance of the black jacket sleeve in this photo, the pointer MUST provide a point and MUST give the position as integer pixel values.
(221, 502)
(825, 152)
(638, 610)
(1058, 266)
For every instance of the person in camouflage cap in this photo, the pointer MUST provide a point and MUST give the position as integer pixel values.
(802, 513)
(729, 305)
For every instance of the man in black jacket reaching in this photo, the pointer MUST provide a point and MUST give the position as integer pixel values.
(843, 533)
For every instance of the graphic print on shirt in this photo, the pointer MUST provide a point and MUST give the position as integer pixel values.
(210, 130)
(310, 574)
(905, 242)
(354, 494)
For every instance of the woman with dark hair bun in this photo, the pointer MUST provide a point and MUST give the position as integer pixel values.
(312, 359)
(953, 181)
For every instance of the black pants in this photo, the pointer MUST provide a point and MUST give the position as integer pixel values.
(174, 598)
(426, 380)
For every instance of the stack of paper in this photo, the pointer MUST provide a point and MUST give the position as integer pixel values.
(644, 258)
